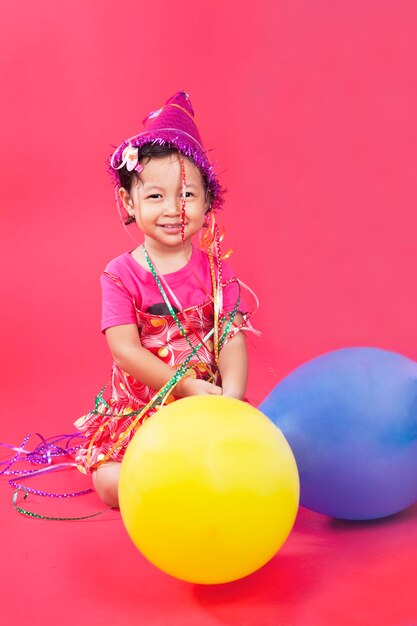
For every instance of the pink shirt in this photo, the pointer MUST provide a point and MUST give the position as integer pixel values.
(117, 301)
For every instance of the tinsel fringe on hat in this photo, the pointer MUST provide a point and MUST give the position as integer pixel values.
(182, 144)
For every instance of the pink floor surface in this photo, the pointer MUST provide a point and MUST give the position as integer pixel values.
(328, 573)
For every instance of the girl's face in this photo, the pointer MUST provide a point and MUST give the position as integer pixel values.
(155, 201)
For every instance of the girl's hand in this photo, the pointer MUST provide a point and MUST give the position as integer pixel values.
(196, 387)
(233, 393)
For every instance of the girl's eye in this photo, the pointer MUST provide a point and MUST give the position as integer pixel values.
(188, 194)
(154, 195)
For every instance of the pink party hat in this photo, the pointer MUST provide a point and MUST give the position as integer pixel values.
(172, 125)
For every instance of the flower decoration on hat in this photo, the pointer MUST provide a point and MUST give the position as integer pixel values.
(130, 159)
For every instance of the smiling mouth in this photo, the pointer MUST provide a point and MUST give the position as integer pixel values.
(170, 226)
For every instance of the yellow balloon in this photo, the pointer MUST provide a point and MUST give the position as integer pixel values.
(209, 489)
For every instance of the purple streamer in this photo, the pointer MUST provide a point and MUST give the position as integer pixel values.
(45, 453)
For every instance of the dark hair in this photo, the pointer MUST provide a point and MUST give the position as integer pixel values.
(151, 151)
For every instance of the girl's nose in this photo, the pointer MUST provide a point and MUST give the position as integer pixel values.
(173, 206)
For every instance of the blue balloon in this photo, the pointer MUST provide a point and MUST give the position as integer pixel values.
(350, 417)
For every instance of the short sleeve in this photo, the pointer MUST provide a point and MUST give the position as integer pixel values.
(231, 291)
(117, 304)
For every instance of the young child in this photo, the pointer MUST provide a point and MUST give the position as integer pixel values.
(171, 310)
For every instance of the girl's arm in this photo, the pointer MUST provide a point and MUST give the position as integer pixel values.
(233, 364)
(129, 354)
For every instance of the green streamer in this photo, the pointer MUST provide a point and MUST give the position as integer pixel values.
(47, 517)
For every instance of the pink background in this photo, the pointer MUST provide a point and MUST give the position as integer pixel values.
(310, 108)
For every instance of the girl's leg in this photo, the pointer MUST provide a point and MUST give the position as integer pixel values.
(106, 482)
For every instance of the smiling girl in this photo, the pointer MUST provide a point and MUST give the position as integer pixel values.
(172, 313)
